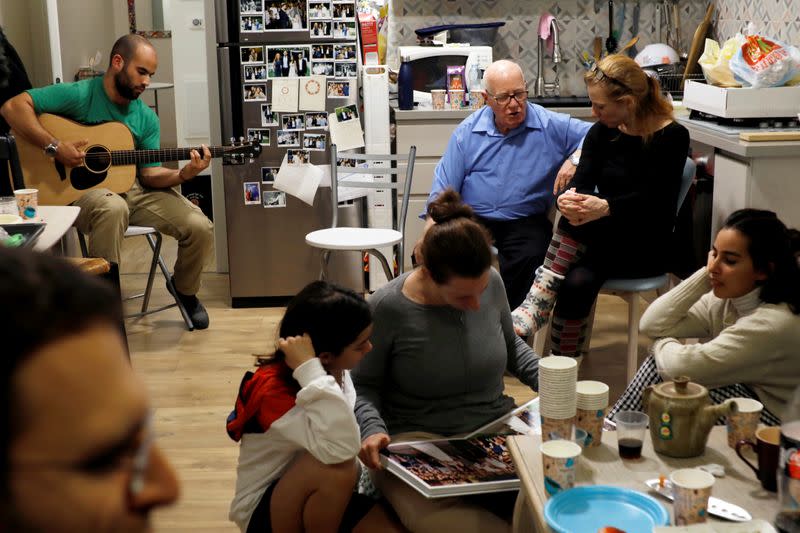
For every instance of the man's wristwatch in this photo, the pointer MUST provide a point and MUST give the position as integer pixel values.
(51, 149)
(575, 159)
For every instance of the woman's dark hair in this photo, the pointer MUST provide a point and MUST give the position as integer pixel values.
(774, 251)
(456, 245)
(42, 299)
(331, 315)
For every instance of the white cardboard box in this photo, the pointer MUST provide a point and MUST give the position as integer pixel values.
(742, 102)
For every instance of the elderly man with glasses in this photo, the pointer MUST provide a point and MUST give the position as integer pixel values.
(504, 160)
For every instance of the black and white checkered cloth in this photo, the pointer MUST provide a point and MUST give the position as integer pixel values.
(631, 399)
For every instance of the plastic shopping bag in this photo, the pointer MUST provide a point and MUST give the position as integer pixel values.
(715, 61)
(765, 62)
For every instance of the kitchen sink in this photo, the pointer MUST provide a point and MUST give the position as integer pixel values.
(561, 101)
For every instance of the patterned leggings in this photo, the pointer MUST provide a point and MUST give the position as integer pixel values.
(631, 399)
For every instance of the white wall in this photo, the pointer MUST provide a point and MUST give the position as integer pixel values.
(86, 26)
(21, 21)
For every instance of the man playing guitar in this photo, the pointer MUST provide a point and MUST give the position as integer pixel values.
(151, 201)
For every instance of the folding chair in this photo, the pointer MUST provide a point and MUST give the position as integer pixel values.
(154, 239)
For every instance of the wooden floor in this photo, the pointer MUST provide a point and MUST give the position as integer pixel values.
(193, 378)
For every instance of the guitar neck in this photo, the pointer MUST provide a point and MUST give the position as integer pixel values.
(133, 157)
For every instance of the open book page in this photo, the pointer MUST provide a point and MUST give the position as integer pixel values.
(439, 468)
(524, 420)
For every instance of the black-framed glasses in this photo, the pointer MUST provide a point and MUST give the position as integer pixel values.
(599, 74)
(504, 99)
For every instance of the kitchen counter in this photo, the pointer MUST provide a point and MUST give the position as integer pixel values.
(748, 174)
(701, 132)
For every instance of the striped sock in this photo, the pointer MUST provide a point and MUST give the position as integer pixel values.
(568, 337)
(562, 252)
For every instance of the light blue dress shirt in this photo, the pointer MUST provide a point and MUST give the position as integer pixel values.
(508, 177)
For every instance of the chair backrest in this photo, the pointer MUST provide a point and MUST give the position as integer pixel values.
(689, 170)
(8, 152)
(394, 171)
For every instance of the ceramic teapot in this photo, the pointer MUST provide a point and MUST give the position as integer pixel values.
(681, 416)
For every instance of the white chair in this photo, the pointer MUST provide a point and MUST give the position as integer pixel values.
(154, 239)
(367, 240)
(629, 289)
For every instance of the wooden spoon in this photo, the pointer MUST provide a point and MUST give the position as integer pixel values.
(629, 44)
(598, 48)
(697, 43)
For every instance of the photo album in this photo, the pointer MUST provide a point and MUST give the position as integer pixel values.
(476, 464)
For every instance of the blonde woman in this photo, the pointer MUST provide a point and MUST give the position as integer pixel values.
(618, 209)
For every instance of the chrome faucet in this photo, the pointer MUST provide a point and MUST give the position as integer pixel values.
(542, 87)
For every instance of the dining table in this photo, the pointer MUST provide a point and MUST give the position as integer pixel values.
(58, 220)
(602, 465)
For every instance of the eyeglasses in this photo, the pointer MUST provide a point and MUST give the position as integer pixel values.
(599, 75)
(125, 457)
(504, 99)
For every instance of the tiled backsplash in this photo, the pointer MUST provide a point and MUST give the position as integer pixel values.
(579, 21)
(775, 18)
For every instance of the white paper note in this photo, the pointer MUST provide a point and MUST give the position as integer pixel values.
(301, 181)
(312, 93)
(284, 95)
(346, 135)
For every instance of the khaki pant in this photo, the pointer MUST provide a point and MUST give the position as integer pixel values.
(105, 216)
(435, 515)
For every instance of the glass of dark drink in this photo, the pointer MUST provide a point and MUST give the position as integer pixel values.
(631, 428)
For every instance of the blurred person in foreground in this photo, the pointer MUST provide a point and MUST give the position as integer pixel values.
(76, 445)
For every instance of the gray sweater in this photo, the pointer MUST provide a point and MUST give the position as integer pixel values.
(438, 369)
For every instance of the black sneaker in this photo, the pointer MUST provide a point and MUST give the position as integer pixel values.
(192, 304)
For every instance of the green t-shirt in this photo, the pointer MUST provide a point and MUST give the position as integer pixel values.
(86, 102)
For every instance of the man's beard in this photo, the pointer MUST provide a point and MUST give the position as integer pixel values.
(123, 86)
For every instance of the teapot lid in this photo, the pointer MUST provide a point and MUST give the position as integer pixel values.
(681, 388)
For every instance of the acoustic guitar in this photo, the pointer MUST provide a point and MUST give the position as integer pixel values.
(110, 161)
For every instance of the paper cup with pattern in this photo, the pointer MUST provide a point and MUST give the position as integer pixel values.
(558, 460)
(476, 99)
(557, 428)
(743, 423)
(438, 98)
(456, 98)
(27, 202)
(591, 421)
(691, 488)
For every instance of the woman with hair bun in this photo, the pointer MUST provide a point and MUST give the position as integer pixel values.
(442, 341)
(745, 303)
(619, 210)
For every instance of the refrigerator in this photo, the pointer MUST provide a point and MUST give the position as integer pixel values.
(269, 260)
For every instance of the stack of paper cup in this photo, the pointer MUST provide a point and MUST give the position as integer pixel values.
(592, 400)
(557, 399)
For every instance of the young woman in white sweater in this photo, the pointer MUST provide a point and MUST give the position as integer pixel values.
(294, 418)
(745, 305)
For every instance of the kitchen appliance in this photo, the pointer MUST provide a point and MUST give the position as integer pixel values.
(424, 68)
(268, 258)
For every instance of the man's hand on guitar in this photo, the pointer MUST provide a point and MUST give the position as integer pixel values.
(70, 153)
(197, 164)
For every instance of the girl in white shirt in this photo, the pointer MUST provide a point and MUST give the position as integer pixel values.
(294, 418)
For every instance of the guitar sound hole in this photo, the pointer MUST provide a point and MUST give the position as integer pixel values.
(94, 171)
(98, 159)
